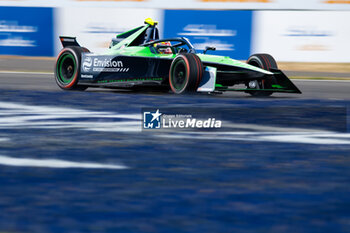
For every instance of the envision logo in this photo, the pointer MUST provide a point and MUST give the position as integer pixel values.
(107, 63)
(103, 64)
(87, 64)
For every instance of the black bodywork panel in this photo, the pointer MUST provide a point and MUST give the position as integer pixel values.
(121, 70)
(130, 71)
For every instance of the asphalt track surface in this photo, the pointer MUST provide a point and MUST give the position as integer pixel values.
(80, 162)
(312, 89)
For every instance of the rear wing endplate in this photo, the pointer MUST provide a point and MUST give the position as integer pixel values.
(68, 41)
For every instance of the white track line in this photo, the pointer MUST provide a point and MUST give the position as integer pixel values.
(320, 80)
(25, 72)
(299, 138)
(14, 115)
(54, 163)
(4, 139)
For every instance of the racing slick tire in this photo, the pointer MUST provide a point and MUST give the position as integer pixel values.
(186, 72)
(67, 69)
(266, 62)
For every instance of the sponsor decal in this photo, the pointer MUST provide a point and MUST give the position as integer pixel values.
(302, 36)
(206, 31)
(104, 29)
(315, 35)
(87, 76)
(209, 35)
(103, 64)
(130, 80)
(211, 28)
(218, 44)
(17, 42)
(307, 32)
(68, 40)
(158, 120)
(12, 26)
(107, 63)
(87, 64)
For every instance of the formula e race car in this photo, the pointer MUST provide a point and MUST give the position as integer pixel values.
(139, 59)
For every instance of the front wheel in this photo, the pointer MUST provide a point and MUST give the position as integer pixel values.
(186, 72)
(67, 70)
(266, 62)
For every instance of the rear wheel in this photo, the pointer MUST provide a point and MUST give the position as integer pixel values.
(186, 72)
(266, 62)
(67, 70)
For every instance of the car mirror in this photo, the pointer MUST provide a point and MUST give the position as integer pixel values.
(209, 48)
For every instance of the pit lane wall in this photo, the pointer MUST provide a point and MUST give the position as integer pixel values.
(289, 35)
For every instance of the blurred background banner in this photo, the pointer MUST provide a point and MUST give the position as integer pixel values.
(228, 31)
(302, 36)
(95, 27)
(292, 30)
(26, 31)
(192, 4)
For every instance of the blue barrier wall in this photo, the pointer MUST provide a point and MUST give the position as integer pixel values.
(26, 31)
(29, 31)
(229, 31)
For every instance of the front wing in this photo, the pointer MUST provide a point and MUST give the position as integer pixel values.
(282, 83)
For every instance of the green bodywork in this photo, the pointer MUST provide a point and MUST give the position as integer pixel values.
(130, 44)
(124, 48)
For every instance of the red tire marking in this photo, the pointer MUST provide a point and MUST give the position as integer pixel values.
(76, 74)
(188, 73)
(266, 62)
(171, 85)
(198, 71)
(187, 77)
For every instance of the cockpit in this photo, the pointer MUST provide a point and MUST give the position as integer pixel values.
(148, 36)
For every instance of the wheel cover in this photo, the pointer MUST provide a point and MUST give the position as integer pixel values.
(261, 83)
(179, 74)
(66, 68)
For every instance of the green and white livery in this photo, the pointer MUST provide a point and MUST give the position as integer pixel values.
(139, 59)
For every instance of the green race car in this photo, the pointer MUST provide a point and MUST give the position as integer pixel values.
(139, 59)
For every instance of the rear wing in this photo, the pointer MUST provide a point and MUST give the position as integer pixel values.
(68, 41)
